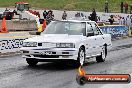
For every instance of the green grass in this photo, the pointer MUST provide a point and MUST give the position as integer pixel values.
(85, 5)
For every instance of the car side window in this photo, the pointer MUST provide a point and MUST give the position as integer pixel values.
(96, 29)
(90, 31)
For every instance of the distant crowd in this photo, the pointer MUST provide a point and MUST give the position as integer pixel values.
(124, 8)
(48, 16)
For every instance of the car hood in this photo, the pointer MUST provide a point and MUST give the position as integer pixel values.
(57, 38)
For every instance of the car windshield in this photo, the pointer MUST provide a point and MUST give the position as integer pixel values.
(66, 27)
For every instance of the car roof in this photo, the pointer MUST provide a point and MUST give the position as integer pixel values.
(77, 21)
(81, 21)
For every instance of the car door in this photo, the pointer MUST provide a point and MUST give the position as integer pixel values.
(90, 41)
(99, 38)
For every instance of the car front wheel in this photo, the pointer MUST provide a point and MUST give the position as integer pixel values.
(81, 57)
(31, 61)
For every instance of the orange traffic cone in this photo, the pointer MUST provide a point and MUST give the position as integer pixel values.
(4, 30)
(44, 25)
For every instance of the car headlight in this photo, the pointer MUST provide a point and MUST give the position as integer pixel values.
(30, 44)
(65, 45)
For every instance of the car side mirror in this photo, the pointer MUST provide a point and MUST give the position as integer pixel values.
(90, 34)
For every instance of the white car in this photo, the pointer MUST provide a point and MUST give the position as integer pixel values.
(70, 40)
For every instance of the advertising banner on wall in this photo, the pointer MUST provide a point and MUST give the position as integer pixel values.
(115, 30)
(10, 45)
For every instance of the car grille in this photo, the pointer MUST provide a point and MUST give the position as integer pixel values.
(49, 45)
(47, 56)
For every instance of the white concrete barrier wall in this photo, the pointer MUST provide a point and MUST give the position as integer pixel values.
(12, 41)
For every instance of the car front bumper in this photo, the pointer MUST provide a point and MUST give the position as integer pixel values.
(50, 54)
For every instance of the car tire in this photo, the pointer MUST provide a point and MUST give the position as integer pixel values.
(81, 57)
(31, 61)
(103, 55)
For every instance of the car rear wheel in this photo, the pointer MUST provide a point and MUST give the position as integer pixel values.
(31, 61)
(103, 55)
